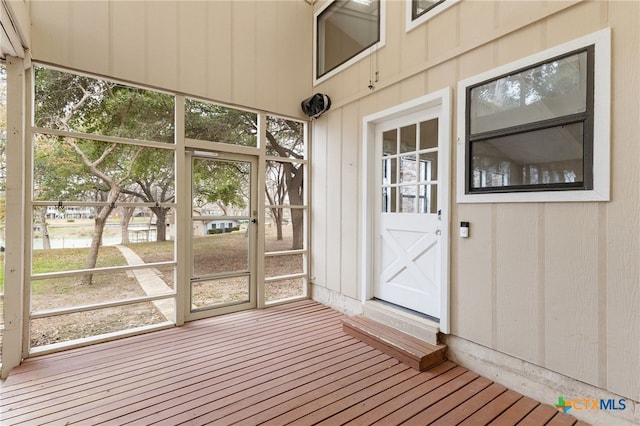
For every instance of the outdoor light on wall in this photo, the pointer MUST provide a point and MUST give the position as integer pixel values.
(316, 105)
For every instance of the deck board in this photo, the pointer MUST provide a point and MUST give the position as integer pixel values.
(286, 364)
(449, 403)
(516, 412)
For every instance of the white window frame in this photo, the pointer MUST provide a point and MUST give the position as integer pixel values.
(410, 23)
(601, 40)
(366, 52)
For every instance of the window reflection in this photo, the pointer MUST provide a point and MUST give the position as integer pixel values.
(344, 29)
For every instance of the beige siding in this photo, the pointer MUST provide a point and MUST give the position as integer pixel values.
(350, 206)
(555, 284)
(162, 60)
(571, 290)
(219, 70)
(191, 42)
(518, 304)
(253, 54)
(472, 305)
(333, 202)
(622, 320)
(319, 199)
(127, 22)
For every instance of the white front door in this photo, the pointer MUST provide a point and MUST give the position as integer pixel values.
(410, 224)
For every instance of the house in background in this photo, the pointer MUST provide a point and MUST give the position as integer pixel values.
(475, 175)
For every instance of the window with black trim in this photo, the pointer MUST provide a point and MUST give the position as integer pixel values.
(343, 30)
(420, 7)
(532, 129)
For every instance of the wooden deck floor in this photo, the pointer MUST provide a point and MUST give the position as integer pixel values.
(287, 364)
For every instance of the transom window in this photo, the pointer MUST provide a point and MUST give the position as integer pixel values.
(345, 29)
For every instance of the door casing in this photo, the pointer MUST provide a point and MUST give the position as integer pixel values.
(441, 99)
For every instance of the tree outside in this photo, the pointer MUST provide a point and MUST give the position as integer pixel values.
(102, 152)
(84, 170)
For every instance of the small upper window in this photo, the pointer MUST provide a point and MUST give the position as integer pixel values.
(420, 11)
(538, 129)
(420, 7)
(344, 30)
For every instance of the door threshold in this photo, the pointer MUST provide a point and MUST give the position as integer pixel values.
(407, 310)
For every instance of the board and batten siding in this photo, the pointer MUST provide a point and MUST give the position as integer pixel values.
(554, 284)
(246, 53)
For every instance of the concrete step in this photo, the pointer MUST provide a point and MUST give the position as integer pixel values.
(405, 348)
(406, 321)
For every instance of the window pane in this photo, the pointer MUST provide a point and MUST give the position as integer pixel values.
(145, 225)
(428, 201)
(68, 248)
(275, 266)
(65, 292)
(285, 138)
(429, 134)
(215, 123)
(71, 228)
(408, 200)
(550, 90)
(284, 183)
(389, 200)
(549, 156)
(390, 142)
(226, 251)
(408, 139)
(71, 169)
(220, 188)
(284, 229)
(45, 331)
(210, 293)
(284, 289)
(72, 102)
(428, 166)
(346, 28)
(419, 7)
(408, 169)
(161, 251)
(389, 171)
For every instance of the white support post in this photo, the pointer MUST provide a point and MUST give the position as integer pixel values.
(14, 294)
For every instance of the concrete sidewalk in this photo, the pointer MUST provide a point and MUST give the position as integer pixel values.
(151, 283)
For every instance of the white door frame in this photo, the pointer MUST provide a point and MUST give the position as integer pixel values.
(441, 98)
